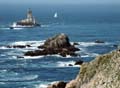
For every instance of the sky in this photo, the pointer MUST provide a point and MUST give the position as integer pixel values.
(60, 1)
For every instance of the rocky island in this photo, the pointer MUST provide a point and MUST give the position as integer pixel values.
(102, 72)
(58, 44)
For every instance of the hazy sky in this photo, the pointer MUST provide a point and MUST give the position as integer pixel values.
(61, 1)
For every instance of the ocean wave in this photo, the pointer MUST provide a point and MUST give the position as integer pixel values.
(19, 79)
(32, 57)
(87, 44)
(45, 26)
(41, 86)
(66, 64)
(33, 43)
(45, 84)
(90, 55)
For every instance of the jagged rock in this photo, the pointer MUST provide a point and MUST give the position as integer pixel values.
(58, 41)
(102, 72)
(58, 44)
(58, 85)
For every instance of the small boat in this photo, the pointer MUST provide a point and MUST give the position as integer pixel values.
(56, 15)
(29, 22)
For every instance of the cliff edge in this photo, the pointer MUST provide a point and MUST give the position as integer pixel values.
(102, 72)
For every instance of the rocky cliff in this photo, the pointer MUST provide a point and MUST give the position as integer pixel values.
(103, 72)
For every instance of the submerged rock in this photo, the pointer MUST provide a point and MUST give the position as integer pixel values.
(18, 46)
(80, 62)
(99, 41)
(58, 44)
(75, 43)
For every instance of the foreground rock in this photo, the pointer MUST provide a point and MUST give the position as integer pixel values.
(58, 85)
(80, 62)
(103, 72)
(58, 44)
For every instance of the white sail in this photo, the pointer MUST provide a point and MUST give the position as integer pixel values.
(55, 15)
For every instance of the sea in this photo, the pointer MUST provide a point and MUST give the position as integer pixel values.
(84, 24)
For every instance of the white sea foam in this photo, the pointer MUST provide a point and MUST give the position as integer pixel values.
(86, 44)
(24, 78)
(32, 57)
(41, 86)
(90, 55)
(17, 28)
(33, 43)
(4, 48)
(66, 64)
(30, 77)
(45, 84)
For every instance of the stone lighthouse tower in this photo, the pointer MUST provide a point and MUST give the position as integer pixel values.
(29, 15)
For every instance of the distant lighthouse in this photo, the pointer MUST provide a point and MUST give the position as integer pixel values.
(29, 22)
(29, 15)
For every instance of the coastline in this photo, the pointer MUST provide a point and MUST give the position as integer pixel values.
(102, 72)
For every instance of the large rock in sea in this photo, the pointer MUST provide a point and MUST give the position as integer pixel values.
(58, 44)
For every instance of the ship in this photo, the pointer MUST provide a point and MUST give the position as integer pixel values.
(29, 22)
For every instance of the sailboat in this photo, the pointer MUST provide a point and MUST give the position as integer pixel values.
(56, 15)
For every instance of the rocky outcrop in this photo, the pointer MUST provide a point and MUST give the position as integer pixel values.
(103, 72)
(58, 44)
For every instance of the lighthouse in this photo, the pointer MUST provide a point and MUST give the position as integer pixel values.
(29, 22)
(29, 15)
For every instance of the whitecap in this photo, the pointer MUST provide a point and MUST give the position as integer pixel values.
(87, 44)
(90, 55)
(66, 64)
(23, 78)
(41, 86)
(4, 48)
(32, 57)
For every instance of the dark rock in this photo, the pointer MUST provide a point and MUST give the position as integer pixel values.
(18, 46)
(20, 57)
(99, 41)
(70, 65)
(79, 62)
(116, 46)
(75, 43)
(58, 85)
(56, 45)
